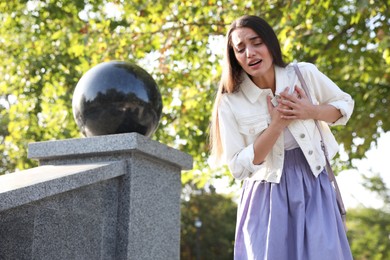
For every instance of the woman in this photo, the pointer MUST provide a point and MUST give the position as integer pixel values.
(288, 208)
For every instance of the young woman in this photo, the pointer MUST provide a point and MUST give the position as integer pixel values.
(288, 208)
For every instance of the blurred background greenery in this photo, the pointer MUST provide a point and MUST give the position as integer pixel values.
(47, 45)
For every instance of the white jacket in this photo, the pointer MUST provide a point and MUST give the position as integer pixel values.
(244, 115)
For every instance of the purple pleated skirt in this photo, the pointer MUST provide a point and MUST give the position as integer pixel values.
(295, 219)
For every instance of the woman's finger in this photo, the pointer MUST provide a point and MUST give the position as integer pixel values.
(290, 104)
(269, 104)
(301, 93)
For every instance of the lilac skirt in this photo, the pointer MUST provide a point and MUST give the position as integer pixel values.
(295, 219)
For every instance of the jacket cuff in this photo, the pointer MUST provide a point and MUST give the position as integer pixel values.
(242, 165)
(248, 155)
(345, 109)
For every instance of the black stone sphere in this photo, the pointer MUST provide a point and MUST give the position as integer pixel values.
(117, 97)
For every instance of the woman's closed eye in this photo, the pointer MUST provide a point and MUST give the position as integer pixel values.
(257, 42)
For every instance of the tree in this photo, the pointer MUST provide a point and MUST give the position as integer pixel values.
(368, 233)
(47, 45)
(369, 228)
(217, 214)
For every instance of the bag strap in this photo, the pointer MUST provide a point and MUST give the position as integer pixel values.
(331, 175)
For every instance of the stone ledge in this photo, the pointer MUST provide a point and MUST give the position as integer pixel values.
(108, 144)
(34, 184)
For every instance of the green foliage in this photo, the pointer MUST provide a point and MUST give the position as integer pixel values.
(216, 235)
(369, 228)
(369, 231)
(46, 46)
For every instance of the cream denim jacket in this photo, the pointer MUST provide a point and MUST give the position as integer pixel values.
(244, 115)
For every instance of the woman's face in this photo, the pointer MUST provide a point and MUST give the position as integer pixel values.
(251, 53)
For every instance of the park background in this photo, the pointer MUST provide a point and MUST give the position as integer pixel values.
(46, 46)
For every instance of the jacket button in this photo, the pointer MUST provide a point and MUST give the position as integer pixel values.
(302, 136)
(310, 152)
(318, 168)
(251, 131)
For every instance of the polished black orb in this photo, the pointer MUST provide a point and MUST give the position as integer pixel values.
(116, 97)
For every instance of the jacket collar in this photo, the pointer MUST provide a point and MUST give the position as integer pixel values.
(250, 89)
(253, 92)
(281, 78)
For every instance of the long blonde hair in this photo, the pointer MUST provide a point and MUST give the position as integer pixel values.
(232, 70)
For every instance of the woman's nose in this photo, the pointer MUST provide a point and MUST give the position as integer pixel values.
(249, 51)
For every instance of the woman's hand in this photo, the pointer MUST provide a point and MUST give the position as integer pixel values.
(267, 139)
(296, 106)
(278, 119)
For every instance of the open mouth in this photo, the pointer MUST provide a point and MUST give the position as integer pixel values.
(255, 63)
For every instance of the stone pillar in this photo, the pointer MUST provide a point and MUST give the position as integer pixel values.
(103, 197)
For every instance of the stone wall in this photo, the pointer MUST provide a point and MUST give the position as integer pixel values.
(104, 197)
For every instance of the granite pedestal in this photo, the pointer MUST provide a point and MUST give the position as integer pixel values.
(104, 197)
